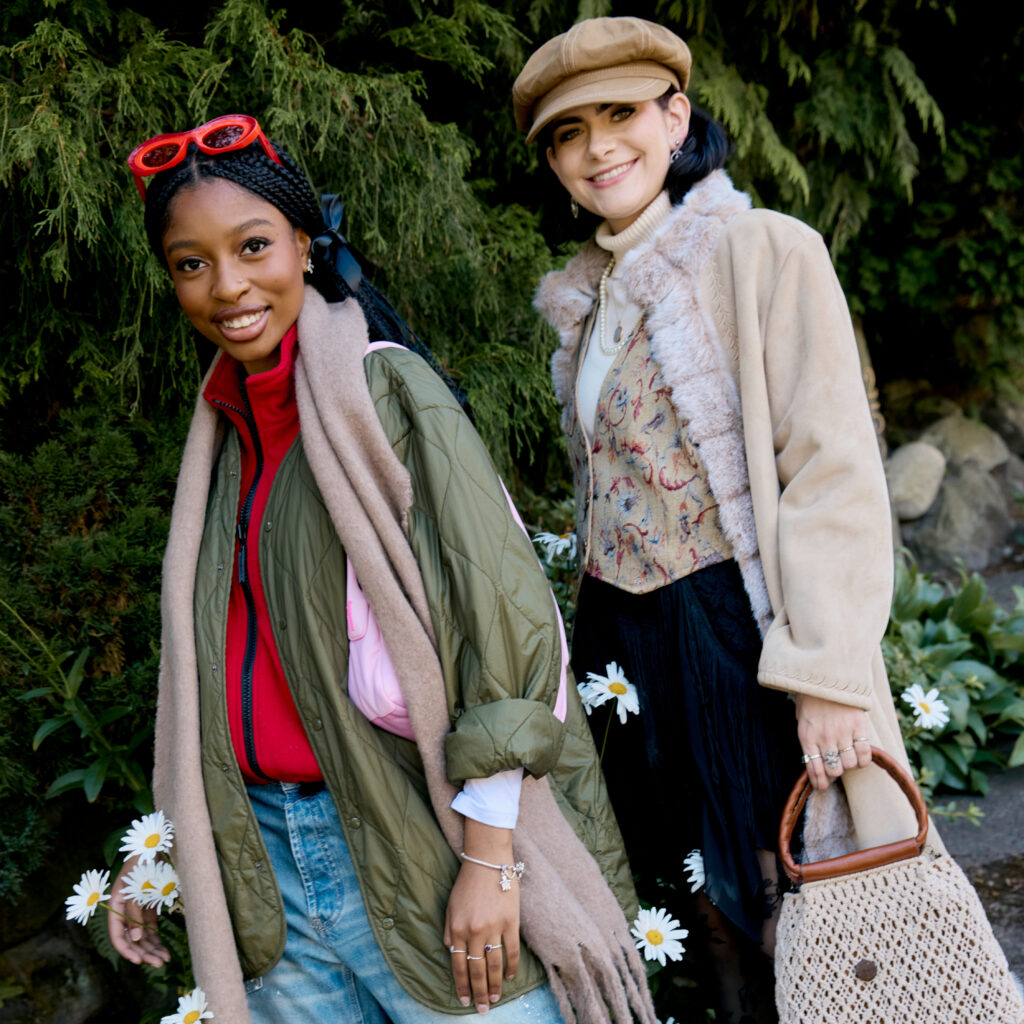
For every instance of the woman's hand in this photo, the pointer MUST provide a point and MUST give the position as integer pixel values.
(480, 915)
(827, 728)
(136, 938)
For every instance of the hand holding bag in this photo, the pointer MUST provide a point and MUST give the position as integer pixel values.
(890, 935)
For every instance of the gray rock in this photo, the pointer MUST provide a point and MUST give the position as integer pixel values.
(961, 439)
(914, 472)
(1006, 418)
(969, 521)
(62, 980)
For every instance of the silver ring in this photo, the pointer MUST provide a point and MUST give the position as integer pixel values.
(489, 947)
(452, 949)
(832, 759)
(808, 758)
(468, 957)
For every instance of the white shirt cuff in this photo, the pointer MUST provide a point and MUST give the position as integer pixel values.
(493, 801)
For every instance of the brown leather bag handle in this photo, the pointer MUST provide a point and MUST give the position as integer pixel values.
(860, 860)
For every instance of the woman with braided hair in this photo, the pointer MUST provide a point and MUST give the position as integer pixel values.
(363, 714)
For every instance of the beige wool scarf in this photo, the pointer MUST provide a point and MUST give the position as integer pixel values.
(569, 917)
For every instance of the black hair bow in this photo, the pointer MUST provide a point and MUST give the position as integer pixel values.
(332, 247)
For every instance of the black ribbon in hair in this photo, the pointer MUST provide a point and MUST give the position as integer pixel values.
(332, 246)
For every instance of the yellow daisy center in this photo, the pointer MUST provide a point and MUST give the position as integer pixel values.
(617, 688)
(654, 937)
(147, 884)
(93, 897)
(167, 889)
(191, 1017)
(926, 708)
(152, 840)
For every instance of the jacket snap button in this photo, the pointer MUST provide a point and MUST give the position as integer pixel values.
(258, 865)
(354, 822)
(281, 624)
(220, 567)
(318, 723)
(866, 970)
(213, 667)
(388, 922)
(267, 527)
(224, 768)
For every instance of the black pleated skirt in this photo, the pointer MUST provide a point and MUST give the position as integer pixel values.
(708, 762)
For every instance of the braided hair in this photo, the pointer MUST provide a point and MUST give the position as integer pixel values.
(286, 187)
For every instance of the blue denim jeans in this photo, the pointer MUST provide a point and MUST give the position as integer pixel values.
(332, 971)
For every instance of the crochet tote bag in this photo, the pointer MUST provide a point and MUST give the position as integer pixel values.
(891, 935)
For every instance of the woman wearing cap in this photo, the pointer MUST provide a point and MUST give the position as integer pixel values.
(345, 839)
(731, 508)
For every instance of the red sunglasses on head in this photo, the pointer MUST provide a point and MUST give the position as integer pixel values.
(221, 135)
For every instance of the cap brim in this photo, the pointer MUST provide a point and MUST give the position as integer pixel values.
(608, 90)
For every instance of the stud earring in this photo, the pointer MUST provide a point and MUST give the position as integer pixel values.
(574, 208)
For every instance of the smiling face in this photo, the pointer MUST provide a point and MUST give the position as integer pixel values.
(237, 265)
(612, 158)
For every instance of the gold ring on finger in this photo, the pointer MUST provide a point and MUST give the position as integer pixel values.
(862, 739)
(843, 750)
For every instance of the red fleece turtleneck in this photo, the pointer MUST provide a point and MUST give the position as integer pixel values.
(266, 730)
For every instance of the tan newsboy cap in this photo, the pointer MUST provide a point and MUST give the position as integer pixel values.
(600, 60)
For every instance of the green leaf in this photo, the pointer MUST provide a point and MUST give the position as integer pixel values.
(51, 725)
(39, 691)
(1017, 754)
(77, 673)
(69, 780)
(92, 780)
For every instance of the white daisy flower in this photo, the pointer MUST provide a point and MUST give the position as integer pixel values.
(191, 1008)
(140, 884)
(694, 864)
(613, 685)
(167, 887)
(148, 836)
(561, 545)
(657, 933)
(929, 710)
(90, 892)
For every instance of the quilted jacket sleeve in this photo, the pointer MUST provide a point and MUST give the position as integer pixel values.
(491, 608)
(833, 534)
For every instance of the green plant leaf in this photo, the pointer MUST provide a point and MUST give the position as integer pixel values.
(76, 673)
(92, 780)
(51, 725)
(69, 780)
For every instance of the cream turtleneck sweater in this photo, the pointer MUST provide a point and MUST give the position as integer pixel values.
(620, 312)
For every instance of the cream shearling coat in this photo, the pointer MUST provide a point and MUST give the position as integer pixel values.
(751, 330)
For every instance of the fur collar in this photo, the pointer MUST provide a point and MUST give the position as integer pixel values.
(651, 270)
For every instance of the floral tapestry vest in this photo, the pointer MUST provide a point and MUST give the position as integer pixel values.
(645, 515)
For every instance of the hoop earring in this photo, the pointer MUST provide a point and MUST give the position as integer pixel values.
(574, 208)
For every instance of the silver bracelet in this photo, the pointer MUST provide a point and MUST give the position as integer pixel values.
(508, 871)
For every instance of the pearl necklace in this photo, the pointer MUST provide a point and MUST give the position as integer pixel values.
(620, 338)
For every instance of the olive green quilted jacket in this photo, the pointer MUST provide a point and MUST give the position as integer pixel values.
(498, 643)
